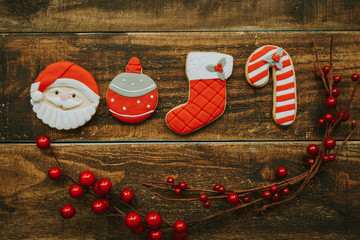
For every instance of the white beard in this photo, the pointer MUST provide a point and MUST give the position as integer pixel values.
(63, 119)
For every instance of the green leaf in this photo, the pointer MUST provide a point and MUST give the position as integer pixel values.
(269, 60)
(221, 75)
(222, 61)
(210, 68)
(279, 51)
(279, 65)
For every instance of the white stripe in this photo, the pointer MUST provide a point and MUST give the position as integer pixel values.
(287, 123)
(285, 81)
(261, 81)
(284, 70)
(284, 114)
(284, 103)
(262, 57)
(133, 91)
(280, 93)
(123, 115)
(258, 70)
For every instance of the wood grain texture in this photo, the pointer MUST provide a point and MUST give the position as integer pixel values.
(173, 15)
(29, 202)
(248, 114)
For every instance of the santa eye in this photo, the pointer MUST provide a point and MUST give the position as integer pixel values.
(73, 96)
(56, 92)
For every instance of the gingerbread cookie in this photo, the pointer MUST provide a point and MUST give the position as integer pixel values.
(132, 96)
(257, 74)
(207, 73)
(64, 96)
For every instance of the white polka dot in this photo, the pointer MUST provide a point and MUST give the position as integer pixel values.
(124, 108)
(141, 80)
(132, 83)
(148, 106)
(112, 100)
(151, 96)
(138, 101)
(123, 80)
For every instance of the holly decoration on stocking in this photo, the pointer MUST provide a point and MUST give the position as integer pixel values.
(219, 68)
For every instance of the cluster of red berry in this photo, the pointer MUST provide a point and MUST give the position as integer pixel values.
(101, 187)
(273, 193)
(219, 68)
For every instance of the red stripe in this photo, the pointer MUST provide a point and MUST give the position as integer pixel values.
(261, 53)
(285, 119)
(285, 75)
(285, 108)
(285, 87)
(259, 76)
(285, 63)
(285, 97)
(256, 66)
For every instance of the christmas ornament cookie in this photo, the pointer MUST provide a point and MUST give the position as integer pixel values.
(132, 96)
(64, 96)
(257, 74)
(207, 73)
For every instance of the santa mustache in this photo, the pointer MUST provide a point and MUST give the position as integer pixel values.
(67, 104)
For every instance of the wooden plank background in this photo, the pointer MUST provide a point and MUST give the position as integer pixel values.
(240, 149)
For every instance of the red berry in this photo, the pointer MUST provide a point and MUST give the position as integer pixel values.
(219, 65)
(75, 191)
(106, 203)
(335, 92)
(87, 178)
(337, 78)
(329, 143)
(326, 69)
(216, 68)
(355, 77)
(345, 118)
(98, 207)
(331, 157)
(312, 149)
(177, 191)
(54, 173)
(180, 236)
(328, 117)
(170, 180)
(325, 158)
(331, 102)
(180, 226)
(154, 235)
(138, 230)
(182, 185)
(127, 195)
(67, 211)
(281, 172)
(285, 191)
(326, 76)
(216, 187)
(276, 197)
(222, 189)
(274, 188)
(321, 121)
(203, 197)
(102, 187)
(221, 70)
(153, 220)
(266, 194)
(233, 198)
(310, 161)
(240, 210)
(132, 220)
(207, 204)
(246, 199)
(43, 142)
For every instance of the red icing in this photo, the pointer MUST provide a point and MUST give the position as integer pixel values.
(276, 57)
(134, 65)
(132, 107)
(219, 65)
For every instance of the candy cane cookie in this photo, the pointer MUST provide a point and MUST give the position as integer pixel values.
(257, 74)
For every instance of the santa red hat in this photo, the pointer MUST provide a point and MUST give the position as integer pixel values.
(66, 74)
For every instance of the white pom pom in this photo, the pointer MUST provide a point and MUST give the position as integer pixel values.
(37, 96)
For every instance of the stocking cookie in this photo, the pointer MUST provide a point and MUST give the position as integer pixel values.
(132, 96)
(207, 73)
(64, 96)
(284, 96)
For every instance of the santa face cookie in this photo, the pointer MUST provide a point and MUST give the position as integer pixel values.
(257, 74)
(132, 96)
(64, 96)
